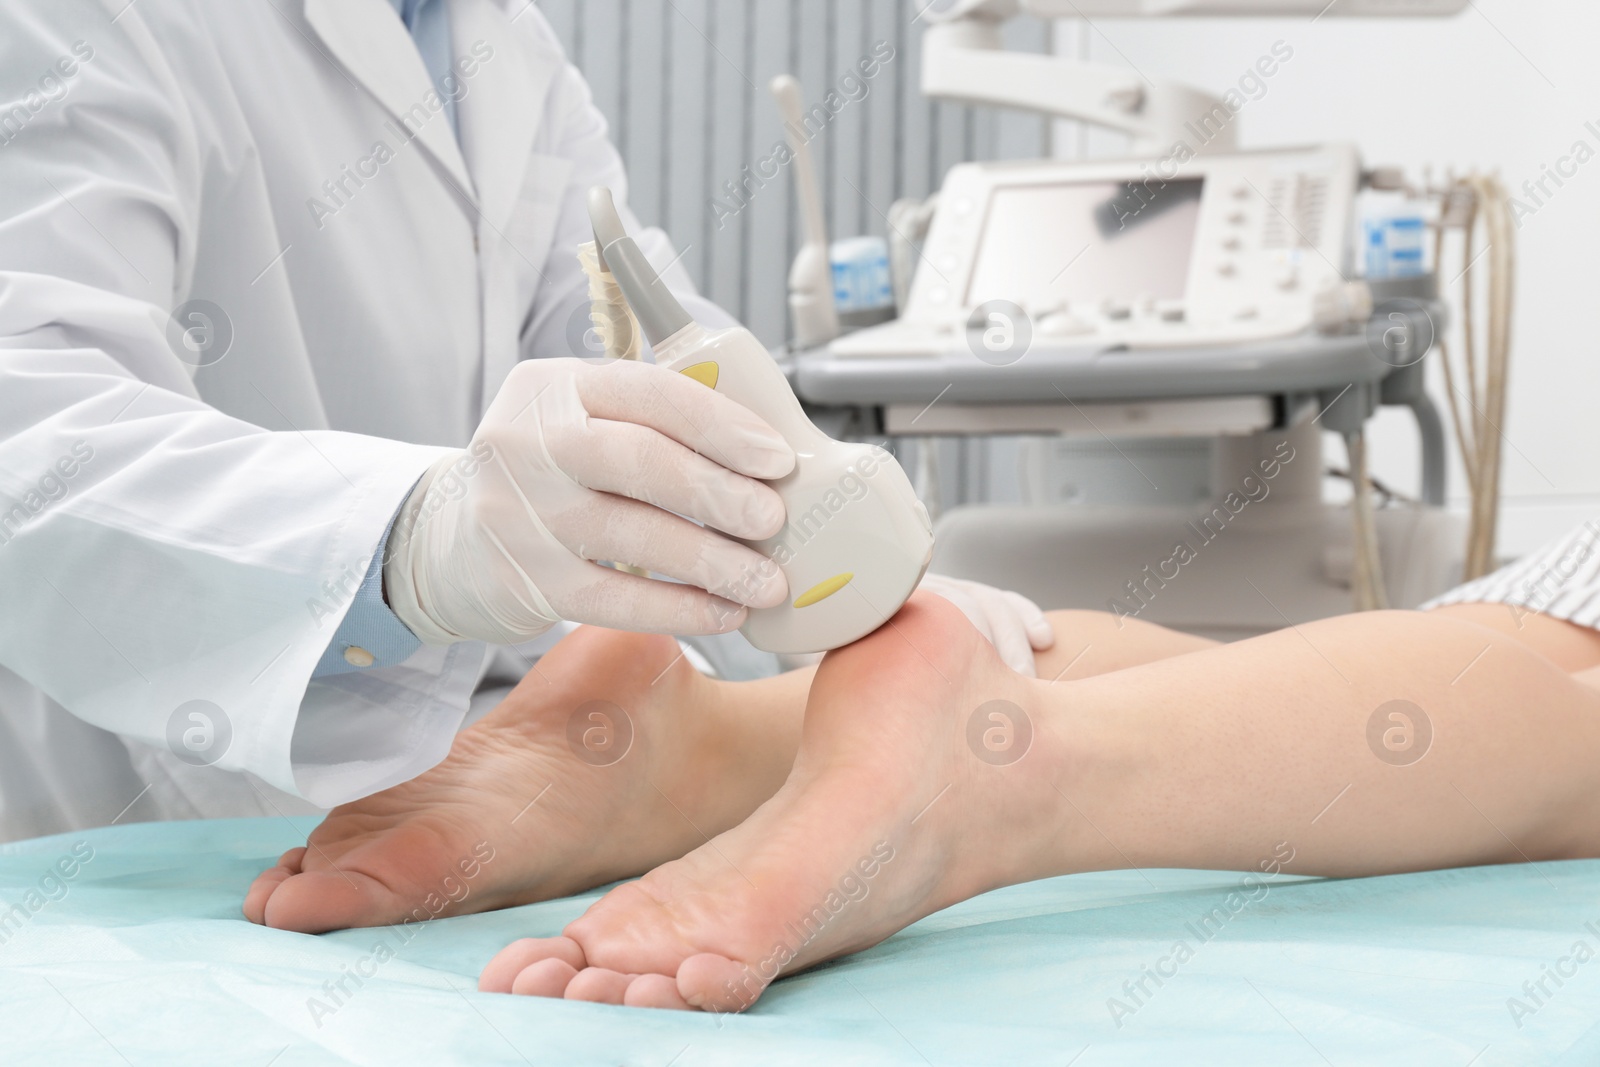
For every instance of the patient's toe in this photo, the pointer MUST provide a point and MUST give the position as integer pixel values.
(715, 983)
(315, 902)
(518, 956)
(267, 882)
(547, 978)
(599, 985)
(655, 991)
(255, 901)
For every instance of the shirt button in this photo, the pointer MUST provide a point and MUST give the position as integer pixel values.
(359, 657)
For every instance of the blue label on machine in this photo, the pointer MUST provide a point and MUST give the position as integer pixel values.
(861, 279)
(1396, 247)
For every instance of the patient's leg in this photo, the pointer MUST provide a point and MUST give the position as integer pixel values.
(915, 788)
(559, 819)
(1096, 642)
(1568, 646)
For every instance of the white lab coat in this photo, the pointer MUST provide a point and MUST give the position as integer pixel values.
(211, 542)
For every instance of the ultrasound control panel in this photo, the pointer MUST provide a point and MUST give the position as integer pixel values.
(1207, 250)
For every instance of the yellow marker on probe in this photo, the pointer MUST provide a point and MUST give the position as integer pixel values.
(823, 590)
(704, 373)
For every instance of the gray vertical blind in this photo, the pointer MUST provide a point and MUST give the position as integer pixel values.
(684, 85)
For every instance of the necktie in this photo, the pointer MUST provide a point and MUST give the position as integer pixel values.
(429, 23)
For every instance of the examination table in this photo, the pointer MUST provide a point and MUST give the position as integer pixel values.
(141, 957)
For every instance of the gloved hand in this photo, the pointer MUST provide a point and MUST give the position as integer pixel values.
(1012, 623)
(577, 462)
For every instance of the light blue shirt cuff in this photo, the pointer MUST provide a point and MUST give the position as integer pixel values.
(370, 627)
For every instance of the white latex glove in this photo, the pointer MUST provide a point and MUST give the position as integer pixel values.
(1012, 623)
(577, 462)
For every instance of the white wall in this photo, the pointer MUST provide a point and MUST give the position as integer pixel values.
(1507, 86)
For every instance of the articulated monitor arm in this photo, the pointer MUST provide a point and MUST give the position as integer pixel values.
(966, 60)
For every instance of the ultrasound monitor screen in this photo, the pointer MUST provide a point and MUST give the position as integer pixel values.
(1085, 243)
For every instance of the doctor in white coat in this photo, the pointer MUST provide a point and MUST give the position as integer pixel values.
(282, 476)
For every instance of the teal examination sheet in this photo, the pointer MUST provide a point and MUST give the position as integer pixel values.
(139, 957)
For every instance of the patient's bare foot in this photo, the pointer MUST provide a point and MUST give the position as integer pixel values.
(891, 813)
(534, 801)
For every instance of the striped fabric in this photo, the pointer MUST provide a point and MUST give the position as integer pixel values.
(1561, 580)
